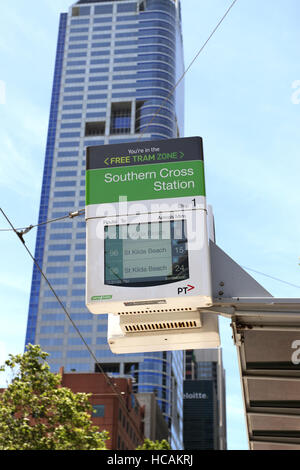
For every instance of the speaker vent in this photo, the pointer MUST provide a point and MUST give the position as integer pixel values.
(161, 326)
(160, 321)
(160, 310)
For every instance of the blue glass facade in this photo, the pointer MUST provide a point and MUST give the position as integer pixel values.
(122, 60)
(40, 241)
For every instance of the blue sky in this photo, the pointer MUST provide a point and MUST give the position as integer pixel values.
(239, 98)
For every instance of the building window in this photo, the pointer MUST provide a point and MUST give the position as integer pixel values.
(108, 368)
(139, 105)
(142, 6)
(75, 11)
(103, 9)
(120, 118)
(81, 11)
(126, 7)
(94, 128)
(98, 411)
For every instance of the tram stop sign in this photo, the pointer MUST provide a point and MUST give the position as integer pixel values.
(148, 171)
(147, 243)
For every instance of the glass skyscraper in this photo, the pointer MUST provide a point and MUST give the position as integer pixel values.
(204, 417)
(116, 63)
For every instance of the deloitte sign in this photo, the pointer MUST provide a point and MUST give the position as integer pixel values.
(195, 396)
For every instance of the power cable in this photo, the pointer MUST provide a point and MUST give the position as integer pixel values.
(271, 277)
(25, 230)
(98, 364)
(188, 68)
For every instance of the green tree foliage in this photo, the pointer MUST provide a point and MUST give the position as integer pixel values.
(157, 445)
(37, 413)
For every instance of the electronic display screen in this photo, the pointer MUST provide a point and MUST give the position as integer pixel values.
(147, 254)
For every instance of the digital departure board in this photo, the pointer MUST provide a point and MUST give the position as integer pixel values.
(146, 254)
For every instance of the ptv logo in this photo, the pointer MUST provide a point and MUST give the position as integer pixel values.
(185, 290)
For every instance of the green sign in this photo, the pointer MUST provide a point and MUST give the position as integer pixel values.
(101, 297)
(145, 171)
(145, 182)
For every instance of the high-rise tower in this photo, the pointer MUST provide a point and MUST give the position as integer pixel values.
(204, 417)
(116, 63)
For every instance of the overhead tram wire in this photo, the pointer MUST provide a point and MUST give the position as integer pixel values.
(49, 284)
(25, 230)
(97, 363)
(186, 70)
(271, 277)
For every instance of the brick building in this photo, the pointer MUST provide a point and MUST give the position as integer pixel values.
(121, 417)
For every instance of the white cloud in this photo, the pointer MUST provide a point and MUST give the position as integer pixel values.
(23, 141)
(17, 169)
(16, 283)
